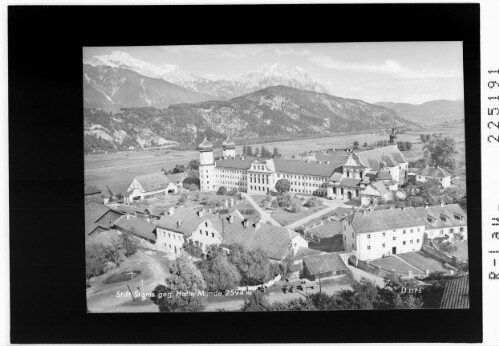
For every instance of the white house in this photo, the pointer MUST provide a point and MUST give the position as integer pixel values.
(444, 221)
(373, 234)
(438, 174)
(150, 185)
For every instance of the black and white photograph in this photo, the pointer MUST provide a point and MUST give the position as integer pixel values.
(275, 177)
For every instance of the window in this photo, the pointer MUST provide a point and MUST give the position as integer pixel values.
(169, 235)
(394, 238)
(369, 247)
(383, 245)
(417, 240)
(403, 231)
(461, 229)
(412, 241)
(212, 234)
(383, 234)
(451, 230)
(368, 236)
(412, 230)
(441, 232)
(206, 232)
(201, 232)
(403, 243)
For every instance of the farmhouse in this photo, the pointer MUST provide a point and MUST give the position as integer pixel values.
(448, 221)
(182, 224)
(99, 218)
(438, 174)
(372, 234)
(323, 266)
(150, 185)
(92, 194)
(143, 230)
(342, 175)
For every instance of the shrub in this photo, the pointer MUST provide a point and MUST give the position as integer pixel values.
(282, 185)
(193, 250)
(313, 202)
(222, 190)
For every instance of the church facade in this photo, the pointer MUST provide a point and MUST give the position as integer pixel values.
(336, 175)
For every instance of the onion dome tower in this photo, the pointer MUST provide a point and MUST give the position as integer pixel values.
(228, 148)
(393, 136)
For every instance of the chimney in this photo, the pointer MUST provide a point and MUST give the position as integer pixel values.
(257, 224)
(231, 218)
(171, 211)
(245, 222)
(200, 213)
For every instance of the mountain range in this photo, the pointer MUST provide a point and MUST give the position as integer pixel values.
(224, 89)
(273, 112)
(429, 113)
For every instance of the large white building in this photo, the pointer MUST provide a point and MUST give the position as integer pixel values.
(339, 174)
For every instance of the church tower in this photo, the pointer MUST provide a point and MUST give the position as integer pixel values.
(228, 148)
(206, 166)
(393, 136)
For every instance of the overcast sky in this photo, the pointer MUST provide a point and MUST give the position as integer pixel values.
(412, 72)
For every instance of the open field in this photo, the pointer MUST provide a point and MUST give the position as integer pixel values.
(119, 168)
(462, 250)
(285, 217)
(422, 262)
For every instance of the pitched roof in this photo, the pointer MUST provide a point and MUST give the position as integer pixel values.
(138, 226)
(105, 237)
(385, 219)
(234, 163)
(153, 181)
(383, 175)
(90, 190)
(313, 168)
(443, 216)
(323, 263)
(456, 294)
(189, 220)
(93, 212)
(380, 186)
(303, 252)
(390, 154)
(350, 182)
(177, 177)
(274, 241)
(433, 172)
(326, 229)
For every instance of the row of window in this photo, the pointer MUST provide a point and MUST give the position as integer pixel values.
(403, 243)
(303, 177)
(206, 232)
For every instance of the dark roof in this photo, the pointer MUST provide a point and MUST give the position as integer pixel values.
(93, 213)
(228, 143)
(443, 216)
(234, 163)
(380, 187)
(274, 241)
(456, 294)
(386, 219)
(205, 145)
(323, 263)
(189, 220)
(91, 190)
(303, 252)
(350, 182)
(138, 226)
(433, 172)
(313, 168)
(153, 181)
(325, 229)
(390, 154)
(383, 175)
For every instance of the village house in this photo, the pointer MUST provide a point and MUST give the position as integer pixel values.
(429, 173)
(92, 194)
(144, 231)
(200, 228)
(448, 221)
(324, 265)
(372, 234)
(321, 231)
(150, 185)
(99, 218)
(337, 175)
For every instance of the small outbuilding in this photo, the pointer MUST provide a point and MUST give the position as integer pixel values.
(324, 265)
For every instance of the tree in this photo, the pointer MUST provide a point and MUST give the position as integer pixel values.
(178, 169)
(185, 278)
(254, 265)
(423, 138)
(219, 273)
(95, 259)
(193, 165)
(442, 152)
(428, 138)
(408, 145)
(282, 185)
(363, 296)
(128, 242)
(401, 146)
(257, 152)
(356, 144)
(365, 144)
(115, 252)
(295, 207)
(182, 199)
(222, 190)
(312, 202)
(245, 150)
(193, 250)
(249, 151)
(275, 153)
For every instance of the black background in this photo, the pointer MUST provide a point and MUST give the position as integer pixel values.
(46, 166)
